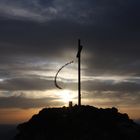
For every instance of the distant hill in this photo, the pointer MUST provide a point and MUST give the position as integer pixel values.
(79, 123)
(7, 132)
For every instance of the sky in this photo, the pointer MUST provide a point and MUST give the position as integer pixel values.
(37, 37)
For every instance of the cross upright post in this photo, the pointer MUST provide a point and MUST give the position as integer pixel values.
(79, 71)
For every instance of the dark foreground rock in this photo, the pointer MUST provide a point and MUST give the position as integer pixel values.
(79, 123)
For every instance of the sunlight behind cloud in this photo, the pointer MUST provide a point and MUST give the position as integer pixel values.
(66, 96)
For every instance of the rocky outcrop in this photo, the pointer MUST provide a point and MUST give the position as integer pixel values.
(79, 123)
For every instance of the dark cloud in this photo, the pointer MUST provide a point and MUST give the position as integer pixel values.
(35, 83)
(111, 51)
(46, 31)
(111, 86)
(25, 103)
(26, 84)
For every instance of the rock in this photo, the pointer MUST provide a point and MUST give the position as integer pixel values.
(79, 123)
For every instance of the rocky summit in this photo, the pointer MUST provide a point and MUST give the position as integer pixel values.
(79, 123)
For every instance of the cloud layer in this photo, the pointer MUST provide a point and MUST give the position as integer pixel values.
(39, 36)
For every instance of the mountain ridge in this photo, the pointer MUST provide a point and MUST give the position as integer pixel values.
(79, 123)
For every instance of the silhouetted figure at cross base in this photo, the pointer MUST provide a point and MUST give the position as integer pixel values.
(79, 123)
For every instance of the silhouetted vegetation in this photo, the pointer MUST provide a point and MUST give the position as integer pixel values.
(79, 123)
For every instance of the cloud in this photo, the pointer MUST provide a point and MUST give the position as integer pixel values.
(81, 11)
(23, 10)
(42, 11)
(111, 51)
(96, 92)
(26, 84)
(112, 86)
(39, 36)
(25, 103)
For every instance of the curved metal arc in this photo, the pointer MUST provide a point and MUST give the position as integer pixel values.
(55, 80)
